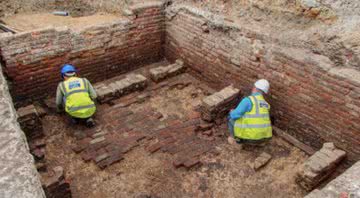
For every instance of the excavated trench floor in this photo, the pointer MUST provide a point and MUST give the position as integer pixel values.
(163, 112)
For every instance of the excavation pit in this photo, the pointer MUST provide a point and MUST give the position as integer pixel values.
(168, 115)
(153, 142)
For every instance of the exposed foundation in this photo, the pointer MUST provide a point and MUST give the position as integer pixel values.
(155, 137)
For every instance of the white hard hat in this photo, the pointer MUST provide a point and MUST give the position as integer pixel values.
(263, 85)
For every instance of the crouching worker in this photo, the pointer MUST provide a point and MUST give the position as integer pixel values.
(250, 121)
(76, 95)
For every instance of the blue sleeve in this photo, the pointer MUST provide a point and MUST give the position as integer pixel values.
(244, 106)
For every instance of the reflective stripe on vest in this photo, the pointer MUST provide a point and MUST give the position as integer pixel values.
(256, 124)
(253, 126)
(78, 102)
(71, 109)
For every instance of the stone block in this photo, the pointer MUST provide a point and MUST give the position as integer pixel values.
(319, 166)
(219, 104)
(160, 73)
(191, 163)
(261, 161)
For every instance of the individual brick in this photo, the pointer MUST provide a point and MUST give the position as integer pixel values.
(218, 104)
(177, 163)
(101, 157)
(319, 166)
(99, 134)
(97, 140)
(160, 73)
(189, 163)
(155, 147)
(261, 161)
(114, 156)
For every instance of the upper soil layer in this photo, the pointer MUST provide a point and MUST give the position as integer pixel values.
(226, 172)
(28, 22)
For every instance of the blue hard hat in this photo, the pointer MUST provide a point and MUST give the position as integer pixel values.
(67, 68)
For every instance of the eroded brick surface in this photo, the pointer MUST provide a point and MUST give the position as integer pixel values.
(319, 166)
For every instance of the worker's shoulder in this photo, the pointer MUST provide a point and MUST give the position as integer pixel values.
(59, 84)
(85, 79)
(247, 98)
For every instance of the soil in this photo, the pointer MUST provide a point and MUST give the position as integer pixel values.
(27, 22)
(228, 173)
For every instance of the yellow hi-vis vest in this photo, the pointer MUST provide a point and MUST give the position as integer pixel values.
(78, 103)
(256, 124)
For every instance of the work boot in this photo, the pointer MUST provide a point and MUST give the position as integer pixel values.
(73, 121)
(90, 122)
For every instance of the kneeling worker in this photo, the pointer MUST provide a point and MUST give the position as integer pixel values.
(250, 121)
(76, 95)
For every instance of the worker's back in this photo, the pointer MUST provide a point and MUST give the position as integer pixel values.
(78, 103)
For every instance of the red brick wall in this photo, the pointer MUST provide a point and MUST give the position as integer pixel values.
(33, 59)
(315, 101)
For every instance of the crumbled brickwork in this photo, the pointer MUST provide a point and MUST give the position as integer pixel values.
(29, 118)
(319, 166)
(345, 185)
(30, 122)
(312, 99)
(55, 185)
(33, 59)
(220, 103)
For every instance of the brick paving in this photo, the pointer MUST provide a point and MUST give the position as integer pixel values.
(121, 128)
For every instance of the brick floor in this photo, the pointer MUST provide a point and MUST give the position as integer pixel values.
(121, 128)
